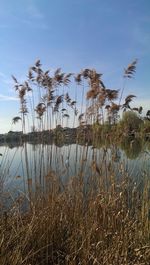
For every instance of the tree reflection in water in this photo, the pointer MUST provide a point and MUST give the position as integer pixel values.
(132, 147)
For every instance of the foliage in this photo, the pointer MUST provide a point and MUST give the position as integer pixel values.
(132, 147)
(130, 122)
(145, 128)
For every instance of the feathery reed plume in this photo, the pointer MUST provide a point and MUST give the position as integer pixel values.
(58, 101)
(38, 63)
(127, 102)
(58, 77)
(148, 113)
(81, 117)
(147, 117)
(78, 78)
(16, 119)
(131, 69)
(114, 109)
(96, 94)
(30, 75)
(66, 79)
(140, 110)
(135, 109)
(14, 78)
(40, 109)
(128, 73)
(67, 98)
(111, 94)
(66, 115)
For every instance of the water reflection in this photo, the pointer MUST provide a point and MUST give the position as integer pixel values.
(28, 167)
(132, 148)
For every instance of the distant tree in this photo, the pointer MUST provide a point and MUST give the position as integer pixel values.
(130, 121)
(145, 128)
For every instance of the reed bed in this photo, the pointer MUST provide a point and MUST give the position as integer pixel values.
(78, 224)
(97, 218)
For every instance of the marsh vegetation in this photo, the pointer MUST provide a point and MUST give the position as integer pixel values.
(82, 205)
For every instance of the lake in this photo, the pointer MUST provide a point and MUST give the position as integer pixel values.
(30, 165)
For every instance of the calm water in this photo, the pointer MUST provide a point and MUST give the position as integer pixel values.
(45, 161)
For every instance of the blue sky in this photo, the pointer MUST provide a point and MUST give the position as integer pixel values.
(74, 34)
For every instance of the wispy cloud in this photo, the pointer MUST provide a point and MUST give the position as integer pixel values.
(2, 75)
(7, 98)
(29, 14)
(141, 33)
(32, 24)
(142, 37)
(34, 11)
(5, 79)
(34, 17)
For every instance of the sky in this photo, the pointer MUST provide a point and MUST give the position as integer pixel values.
(74, 34)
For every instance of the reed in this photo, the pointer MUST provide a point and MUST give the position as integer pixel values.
(99, 213)
(79, 224)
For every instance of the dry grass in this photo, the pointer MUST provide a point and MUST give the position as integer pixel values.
(78, 224)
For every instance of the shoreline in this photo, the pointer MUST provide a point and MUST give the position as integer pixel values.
(62, 136)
